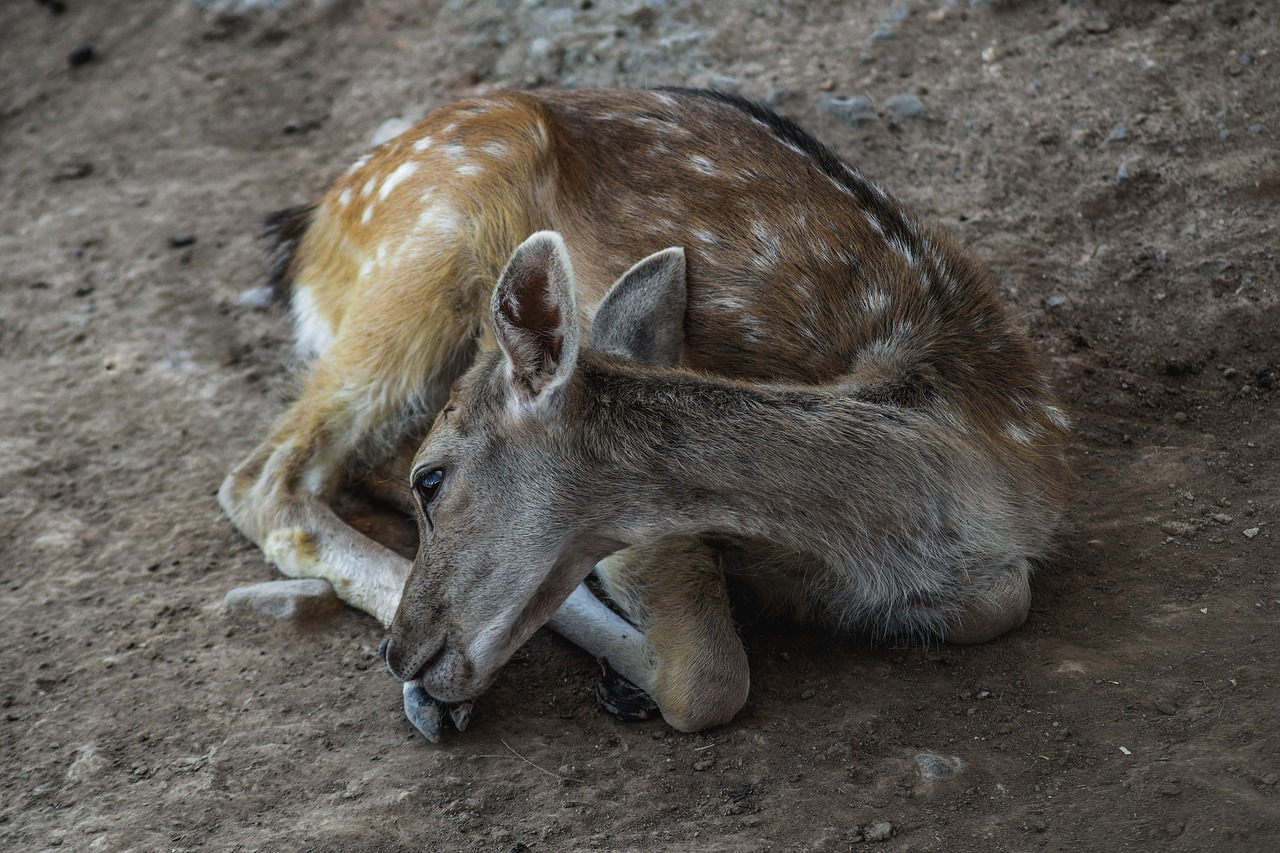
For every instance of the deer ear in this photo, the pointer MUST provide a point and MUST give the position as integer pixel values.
(535, 319)
(642, 315)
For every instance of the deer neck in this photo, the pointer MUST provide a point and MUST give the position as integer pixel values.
(804, 468)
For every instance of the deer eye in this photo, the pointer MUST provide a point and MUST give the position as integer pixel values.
(427, 484)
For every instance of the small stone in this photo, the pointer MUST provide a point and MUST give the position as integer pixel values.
(389, 129)
(256, 297)
(704, 764)
(808, 694)
(1252, 532)
(1189, 231)
(1246, 58)
(852, 110)
(878, 830)
(82, 55)
(1180, 417)
(906, 106)
(1221, 518)
(285, 600)
(178, 239)
(1263, 375)
(1119, 132)
(1097, 27)
(934, 768)
(1255, 128)
(882, 34)
(1126, 169)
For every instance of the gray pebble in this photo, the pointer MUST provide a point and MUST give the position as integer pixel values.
(1189, 231)
(1128, 167)
(178, 239)
(878, 830)
(934, 768)
(853, 110)
(390, 129)
(906, 105)
(256, 297)
(1055, 301)
(285, 600)
(1119, 132)
(882, 34)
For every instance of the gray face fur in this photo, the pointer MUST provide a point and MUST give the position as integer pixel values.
(506, 533)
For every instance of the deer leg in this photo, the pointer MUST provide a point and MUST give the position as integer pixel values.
(682, 649)
(1000, 608)
(279, 498)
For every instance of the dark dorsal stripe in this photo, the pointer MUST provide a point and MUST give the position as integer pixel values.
(872, 201)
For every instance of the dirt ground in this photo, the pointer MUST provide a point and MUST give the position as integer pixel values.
(1115, 163)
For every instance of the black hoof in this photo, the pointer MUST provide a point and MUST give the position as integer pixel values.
(622, 699)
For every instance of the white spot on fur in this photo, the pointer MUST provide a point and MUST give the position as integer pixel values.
(469, 169)
(438, 218)
(456, 150)
(702, 164)
(358, 165)
(311, 329)
(403, 171)
(367, 189)
(840, 186)
(900, 246)
(875, 301)
(497, 150)
(422, 143)
(344, 197)
(367, 216)
(704, 236)
(1057, 417)
(1019, 433)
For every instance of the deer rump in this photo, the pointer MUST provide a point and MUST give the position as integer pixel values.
(717, 328)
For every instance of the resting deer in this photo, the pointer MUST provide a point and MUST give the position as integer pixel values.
(799, 384)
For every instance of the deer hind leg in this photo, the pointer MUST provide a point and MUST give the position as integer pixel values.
(385, 373)
(1000, 608)
(680, 645)
(279, 498)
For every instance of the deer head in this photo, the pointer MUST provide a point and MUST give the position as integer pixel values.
(512, 511)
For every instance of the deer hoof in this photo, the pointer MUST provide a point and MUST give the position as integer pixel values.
(461, 715)
(622, 699)
(428, 713)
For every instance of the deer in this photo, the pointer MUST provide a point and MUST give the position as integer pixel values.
(619, 350)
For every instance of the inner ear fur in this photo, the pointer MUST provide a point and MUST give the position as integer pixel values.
(535, 317)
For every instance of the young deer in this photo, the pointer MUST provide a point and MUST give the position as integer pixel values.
(819, 394)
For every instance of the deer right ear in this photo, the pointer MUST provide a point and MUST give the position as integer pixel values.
(642, 315)
(535, 319)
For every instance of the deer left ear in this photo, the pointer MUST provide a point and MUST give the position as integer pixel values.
(535, 319)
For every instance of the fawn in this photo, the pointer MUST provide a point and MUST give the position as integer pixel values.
(721, 352)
